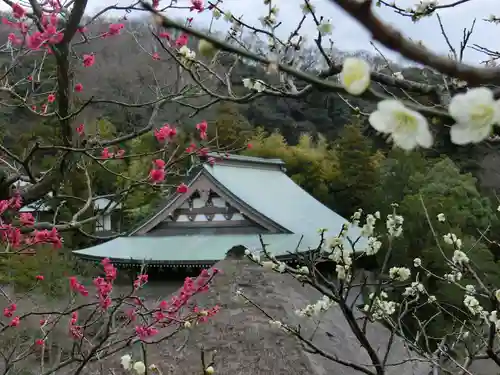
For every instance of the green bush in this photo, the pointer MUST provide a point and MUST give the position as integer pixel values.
(21, 270)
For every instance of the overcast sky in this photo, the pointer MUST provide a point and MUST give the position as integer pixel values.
(349, 36)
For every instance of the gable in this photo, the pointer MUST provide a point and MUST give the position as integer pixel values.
(207, 209)
(206, 212)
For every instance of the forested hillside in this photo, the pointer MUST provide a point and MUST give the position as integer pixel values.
(126, 71)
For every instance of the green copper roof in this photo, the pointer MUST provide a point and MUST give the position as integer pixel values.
(278, 197)
(197, 248)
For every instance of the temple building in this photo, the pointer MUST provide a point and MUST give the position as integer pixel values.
(227, 206)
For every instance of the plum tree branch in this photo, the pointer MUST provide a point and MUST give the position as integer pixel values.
(394, 40)
(317, 81)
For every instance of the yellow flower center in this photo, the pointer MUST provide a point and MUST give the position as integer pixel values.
(406, 123)
(353, 75)
(482, 115)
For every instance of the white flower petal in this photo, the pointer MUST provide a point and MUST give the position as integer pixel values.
(358, 87)
(425, 138)
(497, 112)
(390, 105)
(404, 140)
(463, 134)
(480, 95)
(456, 108)
(355, 75)
(475, 108)
(379, 121)
(139, 368)
(407, 127)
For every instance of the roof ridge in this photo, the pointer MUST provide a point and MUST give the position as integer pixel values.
(223, 158)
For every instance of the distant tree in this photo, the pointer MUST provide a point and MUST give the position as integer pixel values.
(55, 266)
(442, 188)
(231, 128)
(359, 171)
(311, 164)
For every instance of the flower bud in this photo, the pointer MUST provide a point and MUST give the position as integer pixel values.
(206, 49)
(268, 265)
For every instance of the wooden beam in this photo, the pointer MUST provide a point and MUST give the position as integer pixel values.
(206, 211)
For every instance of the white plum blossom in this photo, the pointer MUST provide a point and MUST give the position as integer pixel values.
(475, 112)
(268, 265)
(459, 257)
(275, 324)
(470, 289)
(209, 370)
(139, 368)
(259, 86)
(247, 83)
(334, 242)
(453, 277)
(126, 362)
(374, 246)
(303, 270)
(493, 18)
(269, 20)
(472, 305)
(452, 239)
(280, 267)
(381, 307)
(187, 53)
(321, 305)
(407, 128)
(398, 75)
(371, 219)
(417, 262)
(341, 271)
(399, 273)
(342, 256)
(414, 289)
(425, 6)
(497, 295)
(449, 238)
(251, 84)
(355, 75)
(216, 13)
(493, 318)
(356, 217)
(441, 217)
(307, 7)
(295, 40)
(325, 27)
(369, 226)
(394, 225)
(432, 299)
